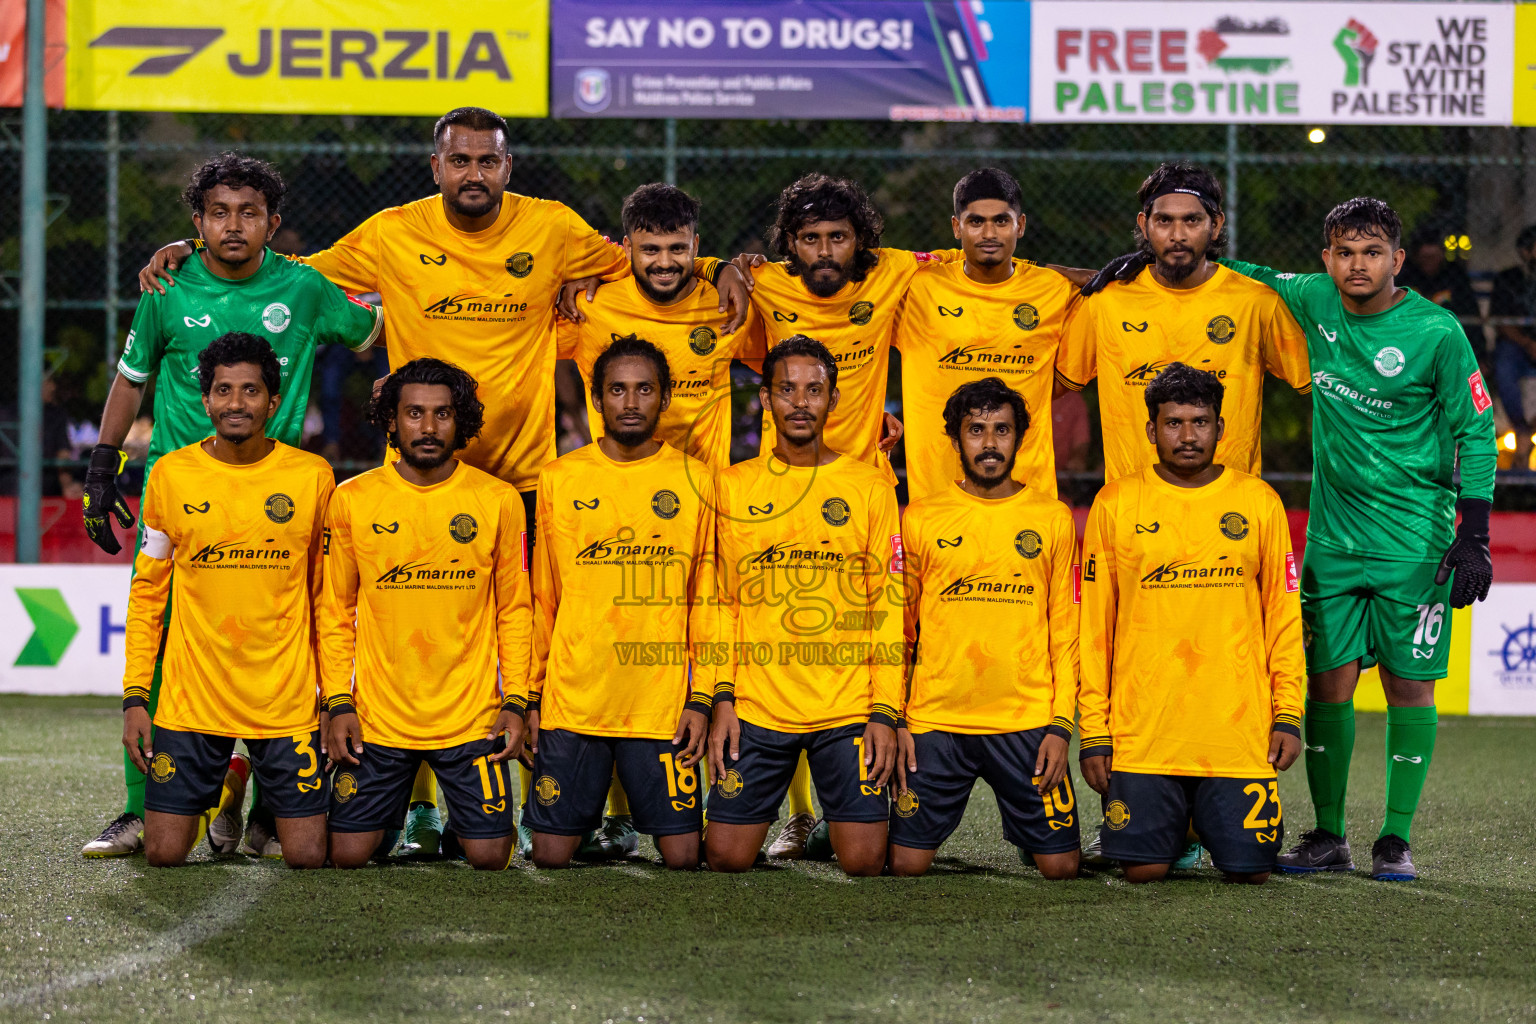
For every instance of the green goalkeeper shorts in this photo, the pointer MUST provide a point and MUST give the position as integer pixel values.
(1355, 606)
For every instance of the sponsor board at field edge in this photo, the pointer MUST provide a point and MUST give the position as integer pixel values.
(1504, 651)
(308, 56)
(63, 628)
(1314, 63)
(872, 59)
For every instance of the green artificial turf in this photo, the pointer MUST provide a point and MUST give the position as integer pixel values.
(980, 939)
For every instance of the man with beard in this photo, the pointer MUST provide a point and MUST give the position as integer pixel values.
(669, 305)
(808, 543)
(626, 546)
(1401, 408)
(425, 601)
(836, 285)
(232, 527)
(1190, 647)
(991, 624)
(988, 314)
(1178, 304)
(237, 284)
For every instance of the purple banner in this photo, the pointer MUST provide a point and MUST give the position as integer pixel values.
(872, 59)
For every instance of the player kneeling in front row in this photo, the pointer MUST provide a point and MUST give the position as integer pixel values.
(808, 542)
(626, 538)
(425, 598)
(232, 530)
(1190, 648)
(990, 567)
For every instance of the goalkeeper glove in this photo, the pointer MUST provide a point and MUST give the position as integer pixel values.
(1121, 268)
(101, 497)
(1468, 555)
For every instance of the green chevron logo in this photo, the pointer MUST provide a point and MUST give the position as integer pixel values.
(53, 626)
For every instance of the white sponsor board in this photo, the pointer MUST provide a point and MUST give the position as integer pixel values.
(62, 628)
(1504, 651)
(1314, 63)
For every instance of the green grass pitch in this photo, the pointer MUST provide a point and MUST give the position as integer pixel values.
(981, 939)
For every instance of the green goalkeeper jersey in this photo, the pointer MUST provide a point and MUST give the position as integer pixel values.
(1396, 398)
(291, 305)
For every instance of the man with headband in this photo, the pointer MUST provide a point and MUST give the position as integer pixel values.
(1178, 305)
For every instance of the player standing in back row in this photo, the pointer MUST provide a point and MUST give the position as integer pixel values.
(1400, 405)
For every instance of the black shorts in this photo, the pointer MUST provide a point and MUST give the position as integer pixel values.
(187, 773)
(755, 785)
(530, 521)
(375, 793)
(1146, 820)
(572, 773)
(948, 765)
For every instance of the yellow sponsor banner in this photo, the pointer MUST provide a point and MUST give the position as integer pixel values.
(309, 56)
(1525, 63)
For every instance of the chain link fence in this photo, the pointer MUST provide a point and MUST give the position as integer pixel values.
(114, 181)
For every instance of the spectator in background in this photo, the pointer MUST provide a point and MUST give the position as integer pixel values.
(1428, 272)
(1514, 353)
(1069, 426)
(62, 481)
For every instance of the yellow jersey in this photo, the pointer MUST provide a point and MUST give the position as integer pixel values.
(954, 330)
(1230, 325)
(483, 301)
(623, 583)
(856, 326)
(236, 551)
(810, 594)
(992, 608)
(698, 421)
(425, 598)
(1191, 626)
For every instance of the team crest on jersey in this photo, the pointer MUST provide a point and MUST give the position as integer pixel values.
(1026, 317)
(906, 804)
(1028, 544)
(1117, 815)
(463, 528)
(1220, 330)
(276, 318)
(547, 790)
(1234, 526)
(279, 508)
(1390, 362)
(835, 511)
(860, 313)
(345, 788)
(730, 784)
(665, 504)
(520, 264)
(162, 768)
(701, 340)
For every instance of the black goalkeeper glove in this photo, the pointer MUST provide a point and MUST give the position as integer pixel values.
(101, 497)
(1468, 555)
(1121, 268)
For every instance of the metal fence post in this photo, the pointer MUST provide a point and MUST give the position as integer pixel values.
(1232, 191)
(669, 171)
(109, 293)
(29, 386)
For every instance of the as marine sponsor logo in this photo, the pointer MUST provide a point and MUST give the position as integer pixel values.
(242, 554)
(985, 587)
(427, 575)
(491, 309)
(982, 358)
(1192, 573)
(1340, 390)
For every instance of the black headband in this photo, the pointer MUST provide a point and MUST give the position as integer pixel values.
(1171, 190)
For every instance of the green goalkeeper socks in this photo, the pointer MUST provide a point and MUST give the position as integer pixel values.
(1410, 746)
(1330, 742)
